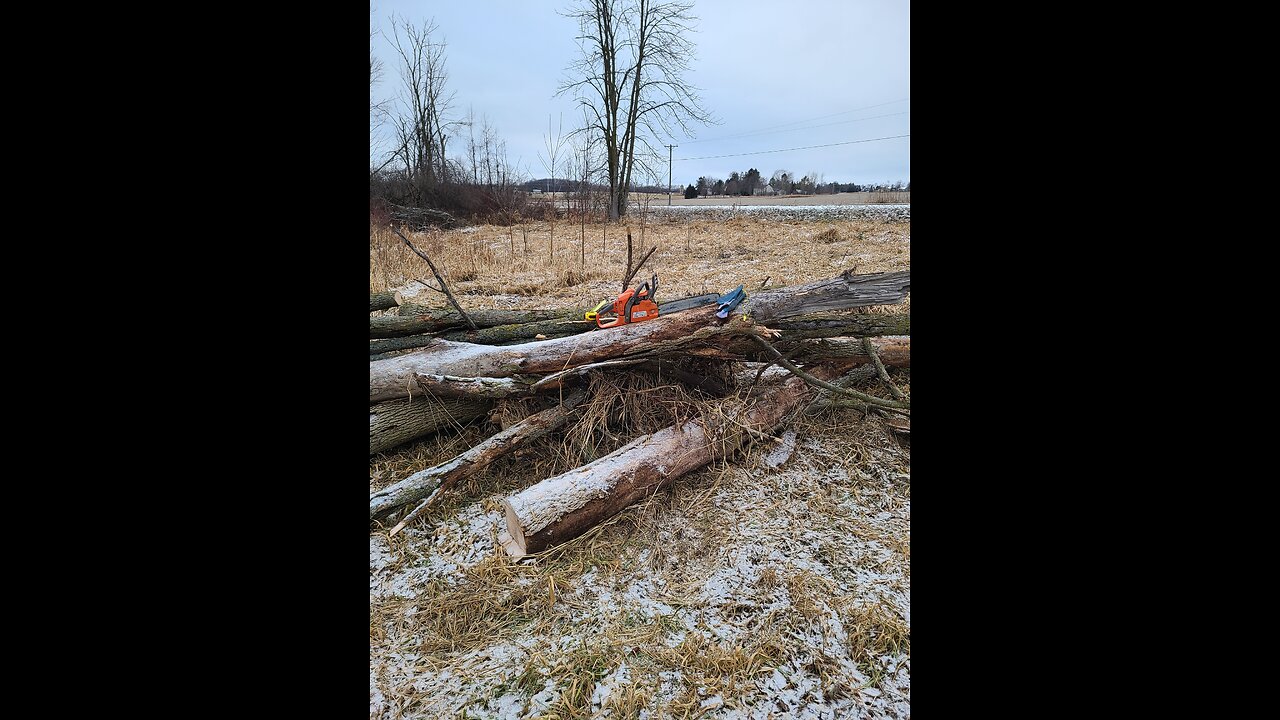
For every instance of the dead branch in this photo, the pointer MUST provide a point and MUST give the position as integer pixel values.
(439, 279)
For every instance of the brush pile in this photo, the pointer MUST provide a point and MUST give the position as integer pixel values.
(626, 410)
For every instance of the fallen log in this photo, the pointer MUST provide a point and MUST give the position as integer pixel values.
(398, 422)
(409, 342)
(470, 387)
(425, 320)
(381, 349)
(390, 378)
(841, 293)
(487, 318)
(382, 301)
(522, 332)
(818, 325)
(563, 507)
(442, 476)
(812, 325)
(894, 350)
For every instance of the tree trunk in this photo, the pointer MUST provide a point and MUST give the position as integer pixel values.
(390, 378)
(463, 387)
(522, 332)
(894, 350)
(418, 319)
(812, 325)
(409, 342)
(382, 301)
(421, 484)
(561, 508)
(840, 293)
(398, 422)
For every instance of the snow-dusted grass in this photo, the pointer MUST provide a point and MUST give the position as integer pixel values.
(776, 585)
(743, 591)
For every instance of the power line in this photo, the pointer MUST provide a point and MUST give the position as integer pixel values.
(798, 122)
(812, 127)
(807, 147)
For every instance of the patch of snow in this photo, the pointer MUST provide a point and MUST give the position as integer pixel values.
(782, 451)
(605, 686)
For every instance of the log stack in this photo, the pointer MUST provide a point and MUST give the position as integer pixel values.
(446, 374)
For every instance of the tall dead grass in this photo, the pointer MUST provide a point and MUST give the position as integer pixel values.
(488, 266)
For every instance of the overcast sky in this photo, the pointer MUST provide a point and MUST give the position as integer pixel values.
(782, 74)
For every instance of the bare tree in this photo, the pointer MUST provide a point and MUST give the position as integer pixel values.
(583, 171)
(553, 144)
(377, 110)
(421, 128)
(629, 78)
(375, 69)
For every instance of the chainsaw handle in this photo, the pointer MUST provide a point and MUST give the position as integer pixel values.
(635, 297)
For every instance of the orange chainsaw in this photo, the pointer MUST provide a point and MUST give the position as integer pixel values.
(634, 305)
(638, 305)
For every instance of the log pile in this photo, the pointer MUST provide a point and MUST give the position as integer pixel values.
(780, 351)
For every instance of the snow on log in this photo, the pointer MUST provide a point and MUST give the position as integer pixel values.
(421, 484)
(563, 507)
(391, 378)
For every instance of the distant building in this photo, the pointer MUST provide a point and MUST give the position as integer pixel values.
(767, 190)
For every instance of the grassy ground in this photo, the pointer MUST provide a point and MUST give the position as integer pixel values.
(776, 585)
(492, 268)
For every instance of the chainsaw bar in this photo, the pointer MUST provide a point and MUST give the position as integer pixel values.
(675, 306)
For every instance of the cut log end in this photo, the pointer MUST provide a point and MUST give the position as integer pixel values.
(513, 539)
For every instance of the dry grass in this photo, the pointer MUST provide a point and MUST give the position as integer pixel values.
(693, 257)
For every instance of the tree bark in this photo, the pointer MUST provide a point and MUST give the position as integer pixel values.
(417, 319)
(841, 293)
(421, 484)
(811, 325)
(398, 422)
(523, 332)
(390, 378)
(485, 318)
(894, 350)
(561, 508)
(382, 301)
(408, 342)
(464, 387)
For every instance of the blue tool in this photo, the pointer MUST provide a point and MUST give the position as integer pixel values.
(729, 301)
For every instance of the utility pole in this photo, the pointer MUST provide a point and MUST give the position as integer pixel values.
(670, 148)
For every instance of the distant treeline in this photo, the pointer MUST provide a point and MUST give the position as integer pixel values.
(782, 182)
(748, 183)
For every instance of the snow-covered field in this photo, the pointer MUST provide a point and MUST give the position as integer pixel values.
(786, 212)
(773, 587)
